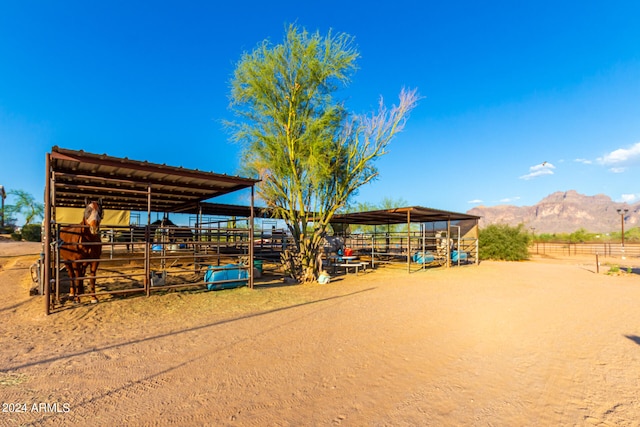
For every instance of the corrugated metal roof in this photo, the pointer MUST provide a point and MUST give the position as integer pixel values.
(400, 216)
(124, 184)
(234, 210)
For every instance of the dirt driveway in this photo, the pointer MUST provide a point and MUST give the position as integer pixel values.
(543, 343)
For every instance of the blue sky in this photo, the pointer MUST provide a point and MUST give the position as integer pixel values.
(520, 99)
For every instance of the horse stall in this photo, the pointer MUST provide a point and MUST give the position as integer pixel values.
(87, 235)
(416, 236)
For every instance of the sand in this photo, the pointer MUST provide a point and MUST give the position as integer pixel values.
(544, 342)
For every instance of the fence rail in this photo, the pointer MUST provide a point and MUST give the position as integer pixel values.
(631, 250)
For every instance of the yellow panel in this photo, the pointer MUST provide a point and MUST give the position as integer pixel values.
(74, 216)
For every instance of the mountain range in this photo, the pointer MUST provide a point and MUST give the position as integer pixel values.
(563, 212)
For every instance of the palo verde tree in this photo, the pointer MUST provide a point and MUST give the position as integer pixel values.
(310, 153)
(25, 205)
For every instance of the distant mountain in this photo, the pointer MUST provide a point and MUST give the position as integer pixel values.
(563, 212)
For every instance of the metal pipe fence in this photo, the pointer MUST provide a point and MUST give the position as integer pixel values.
(137, 260)
(422, 248)
(614, 250)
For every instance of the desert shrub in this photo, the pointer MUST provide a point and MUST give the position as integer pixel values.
(16, 236)
(545, 237)
(503, 242)
(632, 235)
(32, 233)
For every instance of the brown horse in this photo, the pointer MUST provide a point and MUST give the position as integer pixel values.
(80, 247)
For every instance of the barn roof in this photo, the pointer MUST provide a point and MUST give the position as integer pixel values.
(400, 216)
(221, 209)
(126, 184)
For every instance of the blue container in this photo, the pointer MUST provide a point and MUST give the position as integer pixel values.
(455, 256)
(235, 272)
(423, 257)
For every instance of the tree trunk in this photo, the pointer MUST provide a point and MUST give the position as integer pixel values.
(291, 261)
(311, 256)
(305, 264)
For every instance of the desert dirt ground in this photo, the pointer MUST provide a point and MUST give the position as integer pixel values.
(543, 342)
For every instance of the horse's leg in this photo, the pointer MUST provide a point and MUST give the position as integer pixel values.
(73, 285)
(92, 281)
(82, 269)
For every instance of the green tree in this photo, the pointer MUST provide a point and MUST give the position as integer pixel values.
(311, 154)
(503, 242)
(581, 236)
(26, 206)
(632, 235)
(390, 203)
(544, 237)
(32, 233)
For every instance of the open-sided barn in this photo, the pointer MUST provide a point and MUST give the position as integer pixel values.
(431, 236)
(156, 256)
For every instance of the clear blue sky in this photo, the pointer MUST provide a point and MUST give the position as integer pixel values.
(506, 86)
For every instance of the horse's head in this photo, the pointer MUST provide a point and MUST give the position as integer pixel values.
(93, 215)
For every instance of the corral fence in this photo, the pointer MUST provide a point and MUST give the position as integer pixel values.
(141, 259)
(424, 248)
(614, 250)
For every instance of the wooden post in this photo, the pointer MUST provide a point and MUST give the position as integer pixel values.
(46, 277)
(147, 249)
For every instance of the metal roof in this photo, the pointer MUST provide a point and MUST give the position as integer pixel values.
(234, 210)
(401, 216)
(125, 184)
